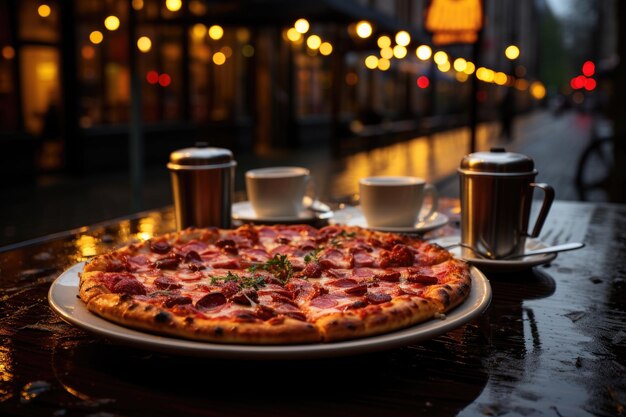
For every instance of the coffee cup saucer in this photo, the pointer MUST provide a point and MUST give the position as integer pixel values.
(499, 265)
(316, 210)
(353, 216)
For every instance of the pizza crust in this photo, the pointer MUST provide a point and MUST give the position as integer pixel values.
(145, 316)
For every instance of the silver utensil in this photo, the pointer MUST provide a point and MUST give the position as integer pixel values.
(541, 251)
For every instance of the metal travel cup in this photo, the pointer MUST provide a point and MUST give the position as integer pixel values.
(496, 194)
(203, 181)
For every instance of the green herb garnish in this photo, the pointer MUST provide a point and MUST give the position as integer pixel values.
(279, 266)
(254, 281)
(312, 256)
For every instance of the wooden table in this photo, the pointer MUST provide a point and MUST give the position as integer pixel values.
(552, 343)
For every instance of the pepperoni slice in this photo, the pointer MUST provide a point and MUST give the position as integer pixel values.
(129, 286)
(211, 300)
(363, 259)
(334, 258)
(422, 279)
(160, 246)
(378, 298)
(343, 283)
(166, 283)
(324, 301)
(176, 300)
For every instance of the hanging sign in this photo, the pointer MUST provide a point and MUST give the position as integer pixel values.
(454, 21)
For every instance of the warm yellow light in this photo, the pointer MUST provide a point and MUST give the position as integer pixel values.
(461, 77)
(469, 68)
(399, 51)
(112, 23)
(8, 52)
(96, 37)
(364, 29)
(301, 26)
(500, 78)
(512, 52)
(144, 44)
(44, 10)
(384, 64)
(460, 64)
(313, 42)
(326, 48)
(537, 90)
(216, 32)
(371, 62)
(198, 31)
(444, 67)
(481, 73)
(137, 4)
(386, 53)
(219, 58)
(440, 57)
(384, 42)
(293, 35)
(423, 52)
(485, 74)
(403, 38)
(173, 5)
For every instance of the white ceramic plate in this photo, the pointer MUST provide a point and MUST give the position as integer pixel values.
(352, 216)
(494, 265)
(63, 298)
(315, 211)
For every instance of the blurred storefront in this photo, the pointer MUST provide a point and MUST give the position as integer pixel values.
(236, 74)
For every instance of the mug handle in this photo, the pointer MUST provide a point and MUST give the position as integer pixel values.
(548, 198)
(434, 198)
(310, 193)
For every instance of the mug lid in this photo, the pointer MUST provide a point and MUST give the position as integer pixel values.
(201, 154)
(498, 160)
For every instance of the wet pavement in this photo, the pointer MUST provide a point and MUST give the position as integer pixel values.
(58, 204)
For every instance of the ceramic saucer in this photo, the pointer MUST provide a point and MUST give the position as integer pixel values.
(499, 265)
(352, 216)
(317, 210)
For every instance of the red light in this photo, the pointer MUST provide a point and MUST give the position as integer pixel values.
(165, 80)
(589, 68)
(590, 84)
(423, 82)
(152, 77)
(578, 82)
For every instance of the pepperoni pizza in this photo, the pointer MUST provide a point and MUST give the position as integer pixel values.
(276, 284)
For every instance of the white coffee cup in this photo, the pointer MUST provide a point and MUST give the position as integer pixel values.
(395, 201)
(277, 191)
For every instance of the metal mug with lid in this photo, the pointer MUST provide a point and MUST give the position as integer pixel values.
(203, 180)
(496, 195)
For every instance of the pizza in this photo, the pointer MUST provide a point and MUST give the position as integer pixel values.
(276, 284)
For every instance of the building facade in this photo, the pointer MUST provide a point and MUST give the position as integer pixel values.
(79, 80)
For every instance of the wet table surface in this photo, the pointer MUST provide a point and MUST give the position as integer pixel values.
(552, 343)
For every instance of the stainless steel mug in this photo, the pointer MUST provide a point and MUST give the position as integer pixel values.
(496, 195)
(203, 181)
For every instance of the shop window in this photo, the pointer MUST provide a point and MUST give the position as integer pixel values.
(40, 72)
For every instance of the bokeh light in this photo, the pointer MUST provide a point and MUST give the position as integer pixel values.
(423, 52)
(112, 23)
(364, 29)
(301, 26)
(144, 44)
(96, 37)
(403, 38)
(216, 32)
